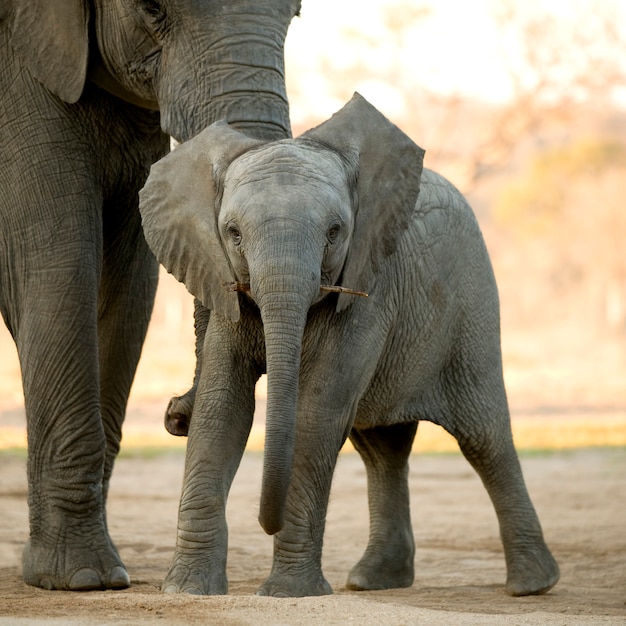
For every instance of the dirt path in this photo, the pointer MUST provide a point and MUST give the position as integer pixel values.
(580, 496)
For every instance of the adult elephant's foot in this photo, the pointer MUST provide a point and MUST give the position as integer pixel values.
(531, 571)
(390, 570)
(74, 567)
(178, 413)
(195, 576)
(295, 585)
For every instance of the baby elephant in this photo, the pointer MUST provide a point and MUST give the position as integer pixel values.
(282, 240)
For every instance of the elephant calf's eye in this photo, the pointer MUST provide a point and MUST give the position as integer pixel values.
(332, 233)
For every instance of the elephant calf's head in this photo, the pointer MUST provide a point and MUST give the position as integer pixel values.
(287, 209)
(340, 196)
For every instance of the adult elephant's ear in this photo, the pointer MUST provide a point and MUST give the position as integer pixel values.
(179, 215)
(390, 169)
(51, 38)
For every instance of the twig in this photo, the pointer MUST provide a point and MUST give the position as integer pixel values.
(245, 288)
(338, 289)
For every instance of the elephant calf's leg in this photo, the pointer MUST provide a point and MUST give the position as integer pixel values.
(531, 568)
(180, 408)
(297, 563)
(389, 558)
(218, 433)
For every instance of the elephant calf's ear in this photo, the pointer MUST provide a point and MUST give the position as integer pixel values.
(179, 215)
(390, 169)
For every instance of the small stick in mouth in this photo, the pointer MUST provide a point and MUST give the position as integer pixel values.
(245, 288)
(338, 289)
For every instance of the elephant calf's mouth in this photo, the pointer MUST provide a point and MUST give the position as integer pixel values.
(245, 288)
(237, 286)
(338, 289)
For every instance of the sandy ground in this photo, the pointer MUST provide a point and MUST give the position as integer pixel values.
(557, 401)
(580, 496)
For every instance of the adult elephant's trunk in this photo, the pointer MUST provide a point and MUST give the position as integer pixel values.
(238, 76)
(284, 292)
(230, 67)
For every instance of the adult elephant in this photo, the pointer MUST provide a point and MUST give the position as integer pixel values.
(89, 91)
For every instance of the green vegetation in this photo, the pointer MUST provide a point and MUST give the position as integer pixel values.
(539, 198)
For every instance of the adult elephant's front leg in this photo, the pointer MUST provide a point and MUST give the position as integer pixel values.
(55, 326)
(219, 429)
(297, 564)
(127, 289)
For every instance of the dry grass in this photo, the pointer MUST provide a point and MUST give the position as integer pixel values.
(531, 433)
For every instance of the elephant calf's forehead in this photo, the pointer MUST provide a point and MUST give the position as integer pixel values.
(288, 163)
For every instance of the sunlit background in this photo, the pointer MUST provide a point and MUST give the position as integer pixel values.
(522, 105)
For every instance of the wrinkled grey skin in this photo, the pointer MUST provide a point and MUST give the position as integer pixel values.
(338, 205)
(87, 92)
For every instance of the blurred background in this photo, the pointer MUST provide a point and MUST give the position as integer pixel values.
(522, 105)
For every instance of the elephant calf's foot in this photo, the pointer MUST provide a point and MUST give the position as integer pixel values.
(178, 414)
(290, 585)
(532, 572)
(73, 569)
(388, 571)
(198, 580)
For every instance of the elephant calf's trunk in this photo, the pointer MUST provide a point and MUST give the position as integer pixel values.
(276, 479)
(283, 324)
(282, 387)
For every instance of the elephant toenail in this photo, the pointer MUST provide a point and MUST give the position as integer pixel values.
(119, 578)
(85, 579)
(46, 583)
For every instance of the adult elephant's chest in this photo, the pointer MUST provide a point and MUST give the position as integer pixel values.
(122, 140)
